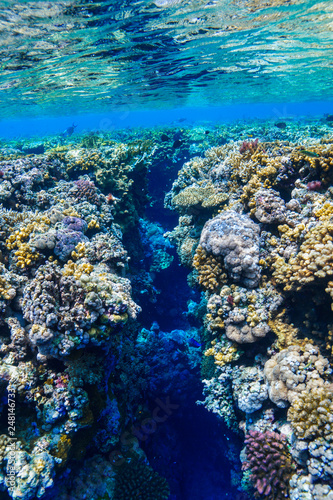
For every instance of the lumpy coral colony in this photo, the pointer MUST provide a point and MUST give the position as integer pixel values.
(255, 226)
(256, 233)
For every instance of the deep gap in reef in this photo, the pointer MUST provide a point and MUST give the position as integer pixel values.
(191, 439)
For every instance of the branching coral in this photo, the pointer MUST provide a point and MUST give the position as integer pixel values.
(270, 464)
(210, 270)
(219, 398)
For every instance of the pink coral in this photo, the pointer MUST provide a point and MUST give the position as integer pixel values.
(269, 462)
(86, 190)
(314, 185)
(248, 146)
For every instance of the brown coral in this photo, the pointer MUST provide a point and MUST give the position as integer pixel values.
(210, 270)
(311, 413)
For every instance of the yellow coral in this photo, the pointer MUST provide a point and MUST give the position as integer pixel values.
(311, 412)
(224, 352)
(211, 274)
(79, 252)
(286, 333)
(77, 270)
(93, 224)
(314, 259)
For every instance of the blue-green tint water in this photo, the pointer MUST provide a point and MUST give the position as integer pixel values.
(65, 57)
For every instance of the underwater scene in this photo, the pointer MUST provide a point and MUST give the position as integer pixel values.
(166, 250)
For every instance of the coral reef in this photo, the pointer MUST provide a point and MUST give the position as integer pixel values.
(235, 238)
(80, 245)
(294, 370)
(261, 250)
(269, 462)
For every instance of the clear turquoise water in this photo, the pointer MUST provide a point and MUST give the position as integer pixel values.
(76, 56)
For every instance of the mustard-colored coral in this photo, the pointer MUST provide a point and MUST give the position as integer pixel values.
(286, 333)
(63, 447)
(211, 274)
(313, 261)
(311, 413)
(77, 270)
(79, 252)
(224, 352)
(82, 160)
(7, 291)
(93, 224)
(24, 256)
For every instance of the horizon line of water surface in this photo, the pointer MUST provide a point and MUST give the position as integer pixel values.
(48, 125)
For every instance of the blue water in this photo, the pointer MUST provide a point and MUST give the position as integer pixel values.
(107, 122)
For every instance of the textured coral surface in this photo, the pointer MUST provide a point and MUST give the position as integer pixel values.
(115, 317)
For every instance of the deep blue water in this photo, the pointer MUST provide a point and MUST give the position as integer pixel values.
(131, 118)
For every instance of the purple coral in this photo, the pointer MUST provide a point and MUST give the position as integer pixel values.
(248, 146)
(75, 224)
(66, 242)
(269, 462)
(86, 190)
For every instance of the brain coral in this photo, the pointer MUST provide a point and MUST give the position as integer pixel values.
(236, 238)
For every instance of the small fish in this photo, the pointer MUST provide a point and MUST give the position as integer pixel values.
(194, 343)
(165, 138)
(280, 125)
(177, 144)
(312, 154)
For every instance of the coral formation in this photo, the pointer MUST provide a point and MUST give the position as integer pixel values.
(311, 412)
(249, 388)
(269, 462)
(80, 248)
(234, 237)
(294, 370)
(150, 485)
